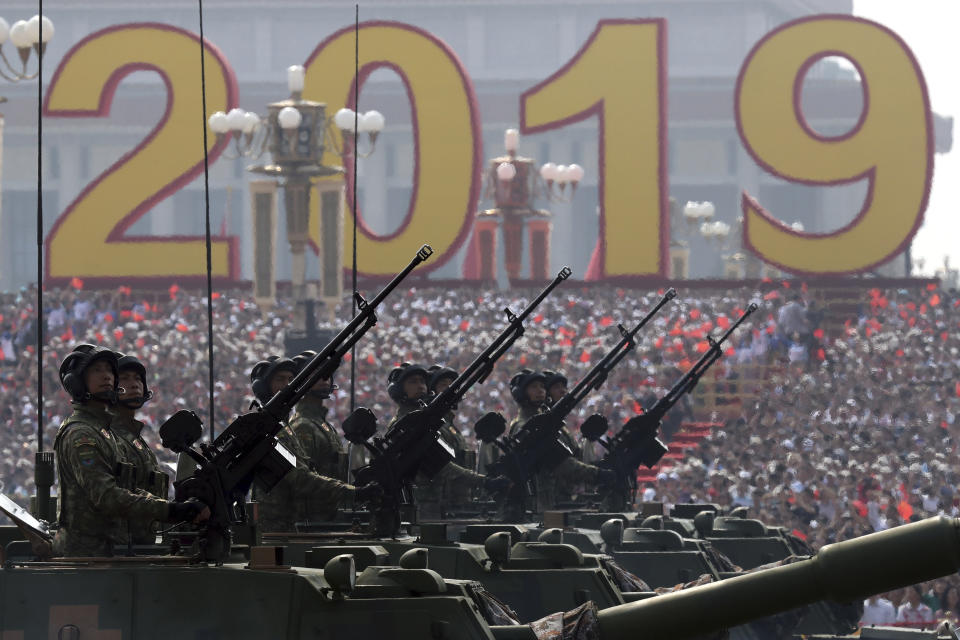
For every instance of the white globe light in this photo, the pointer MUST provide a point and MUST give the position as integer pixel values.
(47, 33)
(797, 226)
(706, 229)
(548, 172)
(511, 138)
(289, 118)
(345, 119)
(218, 122)
(372, 121)
(295, 74)
(506, 171)
(20, 35)
(4, 30)
(708, 210)
(250, 121)
(574, 173)
(561, 173)
(33, 28)
(235, 118)
(691, 210)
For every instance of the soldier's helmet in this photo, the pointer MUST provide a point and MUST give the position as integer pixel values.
(302, 359)
(399, 375)
(437, 373)
(75, 365)
(264, 370)
(520, 382)
(132, 363)
(552, 378)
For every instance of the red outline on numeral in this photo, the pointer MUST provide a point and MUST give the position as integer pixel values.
(474, 194)
(746, 200)
(599, 257)
(103, 109)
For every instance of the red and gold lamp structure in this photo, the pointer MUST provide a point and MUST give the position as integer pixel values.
(513, 183)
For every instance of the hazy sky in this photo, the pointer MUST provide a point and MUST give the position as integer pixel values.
(930, 28)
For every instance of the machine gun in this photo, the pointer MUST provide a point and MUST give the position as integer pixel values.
(536, 447)
(637, 442)
(248, 449)
(411, 445)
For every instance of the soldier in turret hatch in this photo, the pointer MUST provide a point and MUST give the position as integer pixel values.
(97, 506)
(323, 445)
(529, 390)
(147, 474)
(409, 387)
(302, 495)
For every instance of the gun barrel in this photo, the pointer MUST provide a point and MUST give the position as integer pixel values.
(841, 572)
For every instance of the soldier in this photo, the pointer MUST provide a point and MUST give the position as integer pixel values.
(556, 384)
(321, 442)
(96, 509)
(147, 474)
(409, 386)
(529, 390)
(302, 495)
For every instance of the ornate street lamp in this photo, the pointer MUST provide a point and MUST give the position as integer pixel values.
(513, 183)
(296, 133)
(27, 36)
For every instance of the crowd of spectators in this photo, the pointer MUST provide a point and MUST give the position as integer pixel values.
(832, 425)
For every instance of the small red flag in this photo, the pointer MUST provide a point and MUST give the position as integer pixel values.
(371, 359)
(424, 321)
(585, 356)
(140, 342)
(935, 300)
(606, 321)
(723, 322)
(118, 334)
(76, 283)
(538, 318)
(464, 325)
(818, 334)
(931, 286)
(182, 328)
(694, 314)
(905, 510)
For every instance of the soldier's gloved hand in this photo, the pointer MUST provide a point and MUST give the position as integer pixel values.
(606, 478)
(370, 492)
(495, 485)
(190, 510)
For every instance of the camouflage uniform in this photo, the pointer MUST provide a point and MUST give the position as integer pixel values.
(321, 442)
(450, 487)
(302, 495)
(95, 510)
(554, 484)
(147, 474)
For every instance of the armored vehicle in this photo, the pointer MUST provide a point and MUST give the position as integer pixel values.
(167, 596)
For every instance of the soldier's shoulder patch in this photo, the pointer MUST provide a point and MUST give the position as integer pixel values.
(106, 434)
(137, 444)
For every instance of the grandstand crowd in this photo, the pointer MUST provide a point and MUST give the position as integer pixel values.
(832, 425)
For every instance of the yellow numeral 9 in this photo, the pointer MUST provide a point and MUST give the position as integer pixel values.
(891, 146)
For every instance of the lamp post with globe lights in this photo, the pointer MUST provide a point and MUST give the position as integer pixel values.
(514, 183)
(27, 37)
(297, 133)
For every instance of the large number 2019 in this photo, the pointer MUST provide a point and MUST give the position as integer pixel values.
(89, 239)
(618, 76)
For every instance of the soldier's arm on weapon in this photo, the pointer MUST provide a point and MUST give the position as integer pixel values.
(92, 467)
